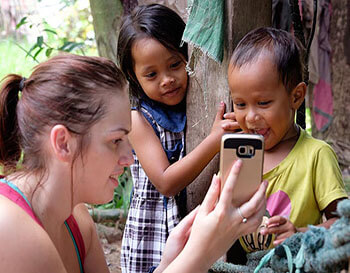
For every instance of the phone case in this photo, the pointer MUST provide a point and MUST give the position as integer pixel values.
(250, 149)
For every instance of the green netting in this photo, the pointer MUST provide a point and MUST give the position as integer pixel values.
(318, 250)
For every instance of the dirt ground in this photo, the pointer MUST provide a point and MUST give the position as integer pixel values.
(111, 240)
(112, 254)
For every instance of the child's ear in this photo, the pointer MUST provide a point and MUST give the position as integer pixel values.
(62, 143)
(298, 94)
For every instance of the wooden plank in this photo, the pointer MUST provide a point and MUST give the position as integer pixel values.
(209, 86)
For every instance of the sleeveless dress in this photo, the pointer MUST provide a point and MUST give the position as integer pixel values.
(13, 193)
(153, 216)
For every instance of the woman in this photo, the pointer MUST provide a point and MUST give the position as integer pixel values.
(71, 119)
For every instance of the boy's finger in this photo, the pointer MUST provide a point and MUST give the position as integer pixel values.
(276, 220)
(212, 195)
(230, 115)
(229, 125)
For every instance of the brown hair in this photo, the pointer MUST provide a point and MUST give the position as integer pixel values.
(285, 49)
(67, 89)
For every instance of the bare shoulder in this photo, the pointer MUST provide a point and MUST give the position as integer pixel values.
(139, 123)
(85, 223)
(25, 245)
(141, 131)
(94, 260)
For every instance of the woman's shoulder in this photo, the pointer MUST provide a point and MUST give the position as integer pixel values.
(12, 215)
(85, 223)
(94, 260)
(25, 245)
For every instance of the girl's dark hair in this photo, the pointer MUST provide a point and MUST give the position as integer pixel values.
(68, 89)
(148, 21)
(285, 50)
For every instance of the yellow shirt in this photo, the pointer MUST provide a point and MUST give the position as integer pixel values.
(305, 182)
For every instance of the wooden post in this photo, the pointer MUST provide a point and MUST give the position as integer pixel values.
(209, 85)
(106, 19)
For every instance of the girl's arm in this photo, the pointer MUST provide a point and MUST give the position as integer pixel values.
(171, 179)
(94, 259)
(25, 246)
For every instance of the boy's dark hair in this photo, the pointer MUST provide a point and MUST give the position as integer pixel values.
(148, 21)
(67, 89)
(284, 48)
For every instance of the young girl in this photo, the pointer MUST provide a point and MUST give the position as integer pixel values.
(267, 88)
(150, 55)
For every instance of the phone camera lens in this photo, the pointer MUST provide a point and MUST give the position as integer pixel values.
(242, 150)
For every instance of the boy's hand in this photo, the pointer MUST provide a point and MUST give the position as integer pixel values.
(281, 227)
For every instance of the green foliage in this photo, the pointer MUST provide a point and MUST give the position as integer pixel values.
(13, 58)
(75, 34)
(22, 22)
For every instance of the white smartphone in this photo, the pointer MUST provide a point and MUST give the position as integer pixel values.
(250, 149)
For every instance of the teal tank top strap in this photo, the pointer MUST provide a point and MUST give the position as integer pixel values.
(75, 246)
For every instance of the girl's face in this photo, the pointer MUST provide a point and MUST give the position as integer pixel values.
(160, 72)
(261, 102)
(107, 154)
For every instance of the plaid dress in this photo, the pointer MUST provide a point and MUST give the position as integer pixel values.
(152, 216)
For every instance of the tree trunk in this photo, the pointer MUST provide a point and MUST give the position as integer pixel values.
(106, 19)
(338, 133)
(209, 86)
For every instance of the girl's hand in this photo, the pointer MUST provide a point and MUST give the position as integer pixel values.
(223, 123)
(281, 227)
(218, 224)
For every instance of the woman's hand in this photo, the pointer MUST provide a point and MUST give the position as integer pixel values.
(177, 240)
(217, 225)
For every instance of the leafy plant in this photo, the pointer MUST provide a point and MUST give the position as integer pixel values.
(75, 34)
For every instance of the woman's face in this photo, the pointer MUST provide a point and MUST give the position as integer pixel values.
(107, 154)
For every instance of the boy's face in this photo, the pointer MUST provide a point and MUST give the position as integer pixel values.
(262, 104)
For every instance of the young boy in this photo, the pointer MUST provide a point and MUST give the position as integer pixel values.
(266, 85)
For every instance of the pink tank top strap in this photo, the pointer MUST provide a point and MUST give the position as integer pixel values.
(10, 191)
(77, 238)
